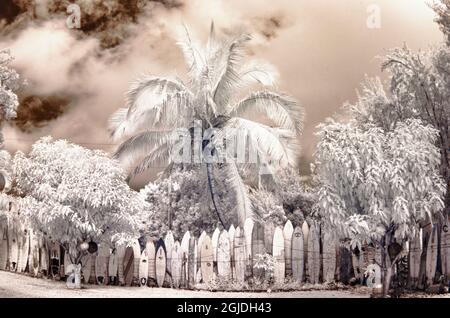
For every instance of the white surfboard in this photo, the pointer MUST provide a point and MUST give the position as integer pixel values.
(278, 255)
(3, 245)
(13, 247)
(101, 264)
(184, 246)
(199, 255)
(240, 258)
(143, 268)
(305, 230)
(175, 267)
(445, 249)
(206, 259)
(195, 260)
(313, 254)
(44, 257)
(33, 258)
(24, 249)
(160, 263)
(288, 231)
(120, 254)
(137, 259)
(223, 256)
(215, 243)
(432, 251)
(298, 264)
(231, 232)
(415, 252)
(169, 241)
(248, 231)
(151, 254)
(329, 256)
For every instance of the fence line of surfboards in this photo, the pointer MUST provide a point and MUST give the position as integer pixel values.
(247, 254)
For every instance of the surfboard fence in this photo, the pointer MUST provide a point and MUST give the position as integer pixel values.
(250, 254)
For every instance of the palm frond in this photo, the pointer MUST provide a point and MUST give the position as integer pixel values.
(280, 109)
(228, 77)
(157, 158)
(258, 73)
(117, 123)
(274, 146)
(192, 54)
(135, 147)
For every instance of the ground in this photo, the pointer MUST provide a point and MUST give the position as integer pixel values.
(15, 285)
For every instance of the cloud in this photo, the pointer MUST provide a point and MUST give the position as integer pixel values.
(322, 48)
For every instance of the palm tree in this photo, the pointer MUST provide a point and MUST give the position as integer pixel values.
(217, 96)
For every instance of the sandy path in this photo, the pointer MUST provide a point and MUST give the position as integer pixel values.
(15, 285)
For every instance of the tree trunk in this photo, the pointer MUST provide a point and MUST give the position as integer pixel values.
(209, 168)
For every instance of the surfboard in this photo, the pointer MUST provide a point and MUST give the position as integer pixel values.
(113, 267)
(184, 247)
(13, 246)
(160, 262)
(215, 242)
(199, 255)
(101, 264)
(128, 266)
(86, 267)
(175, 267)
(143, 268)
(313, 254)
(169, 241)
(191, 263)
(206, 255)
(55, 259)
(3, 245)
(278, 253)
(137, 256)
(415, 252)
(239, 255)
(34, 254)
(269, 231)
(231, 232)
(44, 259)
(432, 251)
(223, 256)
(445, 249)
(288, 231)
(329, 257)
(297, 255)
(257, 248)
(305, 230)
(25, 249)
(151, 253)
(120, 253)
(195, 260)
(248, 231)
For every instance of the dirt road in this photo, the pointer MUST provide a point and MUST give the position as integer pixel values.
(15, 285)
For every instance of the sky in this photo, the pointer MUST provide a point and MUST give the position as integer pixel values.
(77, 78)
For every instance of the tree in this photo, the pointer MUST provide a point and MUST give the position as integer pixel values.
(378, 176)
(209, 115)
(420, 88)
(75, 195)
(9, 84)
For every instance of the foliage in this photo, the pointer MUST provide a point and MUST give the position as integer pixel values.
(375, 181)
(210, 100)
(74, 194)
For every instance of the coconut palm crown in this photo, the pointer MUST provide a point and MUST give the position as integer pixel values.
(218, 99)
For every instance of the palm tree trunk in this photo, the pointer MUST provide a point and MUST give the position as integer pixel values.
(209, 168)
